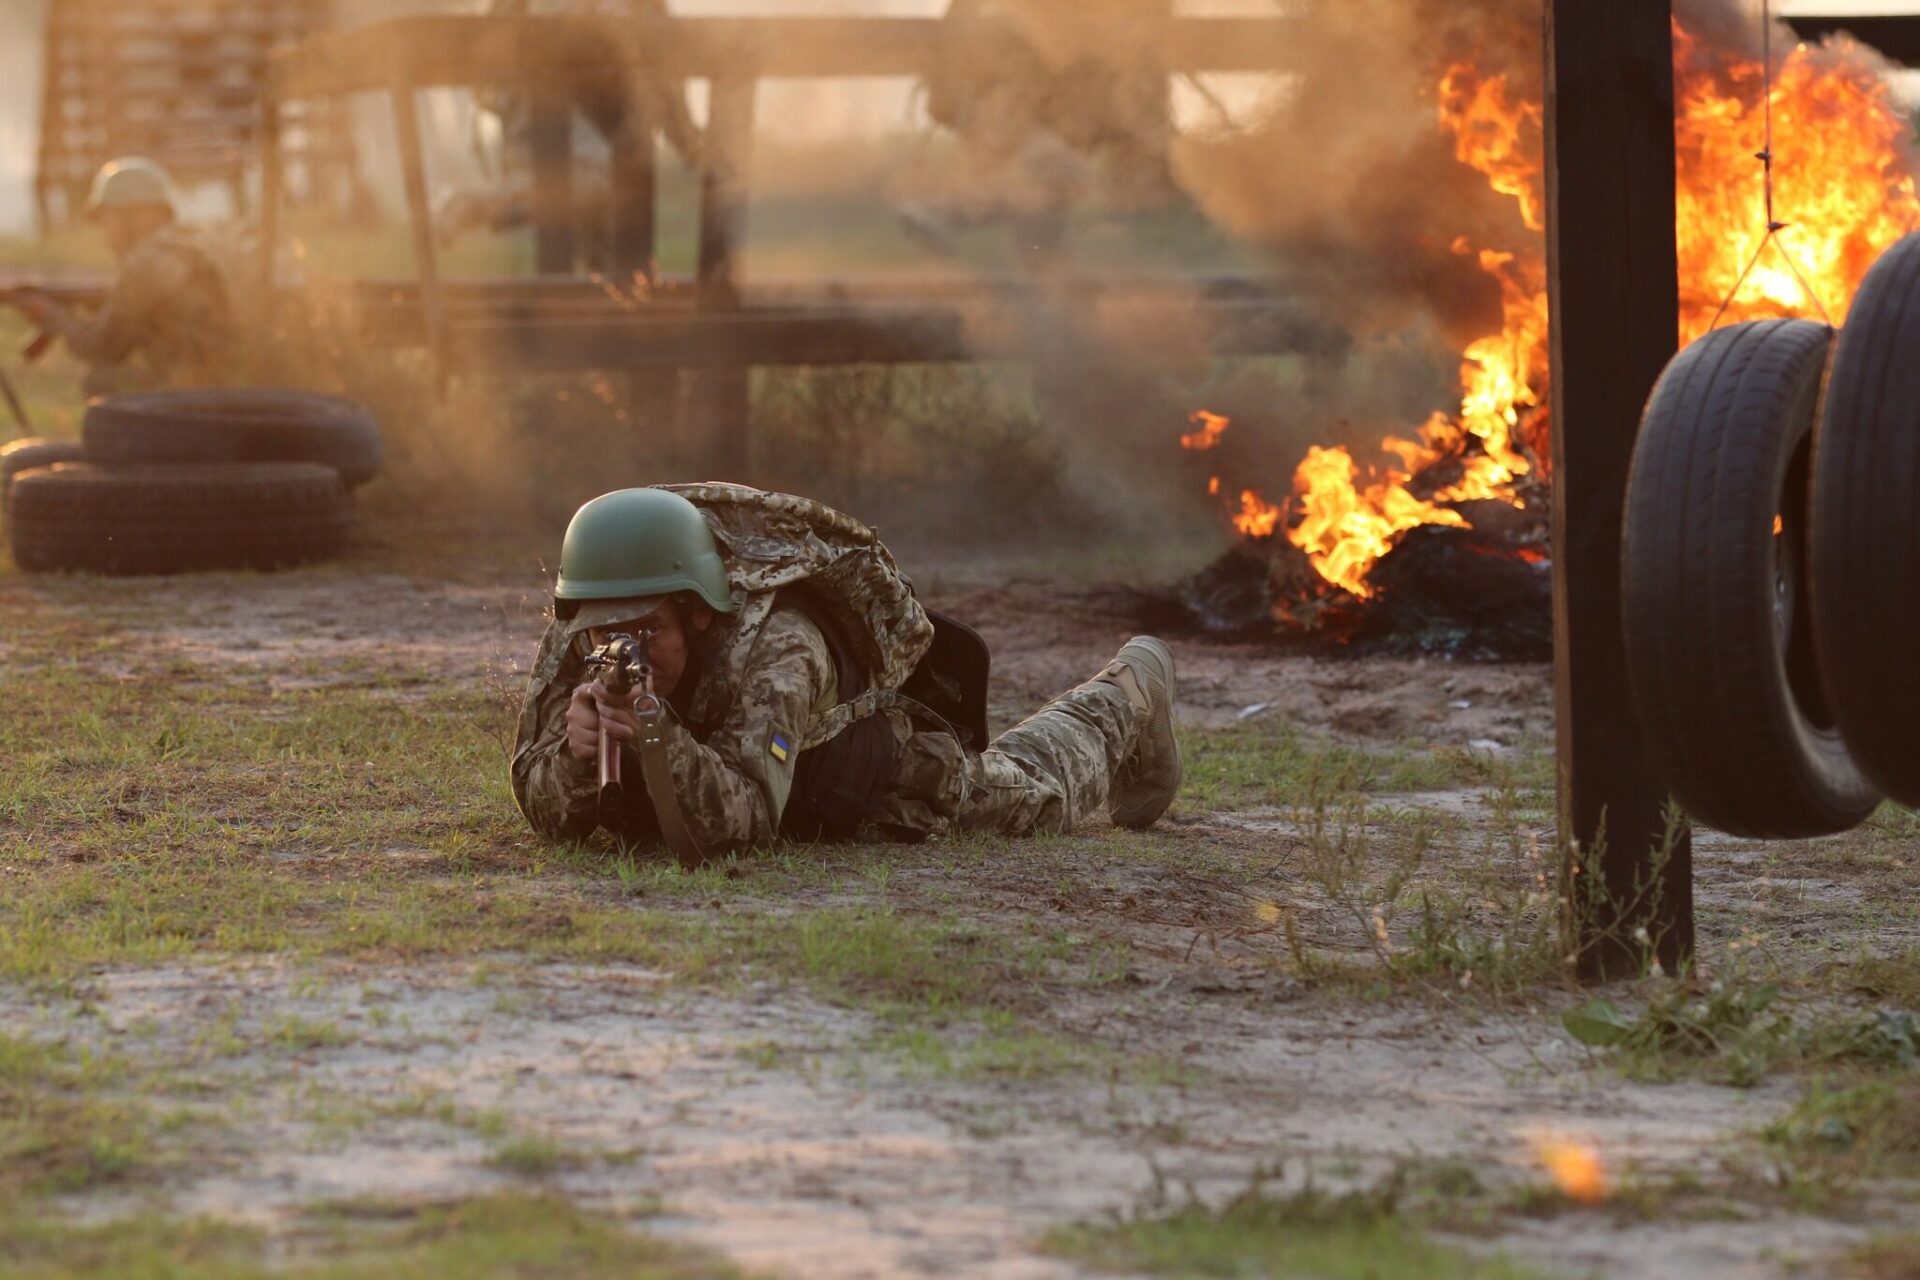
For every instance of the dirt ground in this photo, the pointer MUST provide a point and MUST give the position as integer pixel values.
(1240, 1034)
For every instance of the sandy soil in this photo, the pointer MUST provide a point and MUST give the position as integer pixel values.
(771, 1132)
(828, 1164)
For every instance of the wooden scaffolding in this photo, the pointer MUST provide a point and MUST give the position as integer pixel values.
(177, 81)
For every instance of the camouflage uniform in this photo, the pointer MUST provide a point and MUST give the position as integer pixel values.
(732, 780)
(170, 307)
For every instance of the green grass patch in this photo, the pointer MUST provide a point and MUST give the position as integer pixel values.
(62, 1127)
(1739, 1031)
(1001, 1046)
(533, 1156)
(1274, 764)
(498, 1238)
(1306, 1236)
(1886, 1257)
(1869, 1130)
(1894, 978)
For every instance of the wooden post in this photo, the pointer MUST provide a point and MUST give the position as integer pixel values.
(653, 392)
(406, 120)
(272, 192)
(1613, 284)
(635, 193)
(550, 137)
(722, 397)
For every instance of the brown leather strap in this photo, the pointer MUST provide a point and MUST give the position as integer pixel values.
(657, 770)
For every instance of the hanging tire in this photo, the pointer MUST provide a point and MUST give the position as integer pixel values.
(30, 452)
(1866, 525)
(173, 519)
(241, 425)
(1718, 618)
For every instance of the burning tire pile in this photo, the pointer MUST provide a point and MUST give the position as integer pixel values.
(1771, 566)
(174, 481)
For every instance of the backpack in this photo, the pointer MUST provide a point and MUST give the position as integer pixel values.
(888, 649)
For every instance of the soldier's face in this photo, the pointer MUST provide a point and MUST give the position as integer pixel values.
(125, 228)
(673, 629)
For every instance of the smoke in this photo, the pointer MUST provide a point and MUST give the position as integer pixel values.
(1354, 189)
(1349, 182)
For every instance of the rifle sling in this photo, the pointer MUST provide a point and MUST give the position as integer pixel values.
(657, 771)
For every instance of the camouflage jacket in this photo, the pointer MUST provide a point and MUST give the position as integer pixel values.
(732, 776)
(170, 306)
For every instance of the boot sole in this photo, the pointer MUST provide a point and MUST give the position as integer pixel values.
(1165, 745)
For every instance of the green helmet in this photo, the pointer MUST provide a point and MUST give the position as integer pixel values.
(637, 543)
(130, 182)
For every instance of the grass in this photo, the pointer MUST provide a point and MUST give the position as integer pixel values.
(1885, 1257)
(161, 809)
(532, 1156)
(999, 1046)
(1894, 977)
(1272, 763)
(509, 1237)
(1854, 1131)
(149, 819)
(1309, 1235)
(1739, 1031)
(63, 1126)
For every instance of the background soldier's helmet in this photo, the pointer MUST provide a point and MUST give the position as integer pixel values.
(639, 542)
(130, 182)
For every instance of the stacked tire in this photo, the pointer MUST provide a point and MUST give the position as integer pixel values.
(175, 481)
(1771, 566)
(1720, 641)
(1866, 518)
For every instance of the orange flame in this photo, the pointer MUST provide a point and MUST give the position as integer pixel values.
(1258, 518)
(1845, 162)
(1212, 427)
(1575, 1167)
(1844, 166)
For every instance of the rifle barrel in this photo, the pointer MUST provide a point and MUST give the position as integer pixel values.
(14, 403)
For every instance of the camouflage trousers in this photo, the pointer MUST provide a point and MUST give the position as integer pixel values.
(1046, 774)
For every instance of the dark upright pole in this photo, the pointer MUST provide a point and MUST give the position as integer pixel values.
(1613, 282)
(550, 138)
(413, 165)
(653, 393)
(722, 397)
(272, 193)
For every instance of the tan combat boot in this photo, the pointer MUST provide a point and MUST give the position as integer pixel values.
(1149, 778)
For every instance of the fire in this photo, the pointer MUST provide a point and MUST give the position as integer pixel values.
(1346, 528)
(1844, 184)
(1257, 518)
(1575, 1167)
(1211, 427)
(1843, 181)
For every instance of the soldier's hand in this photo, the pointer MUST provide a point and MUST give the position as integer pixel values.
(592, 707)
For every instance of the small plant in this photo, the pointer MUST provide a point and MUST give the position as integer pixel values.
(531, 1156)
(1867, 1130)
(1370, 1232)
(1737, 1026)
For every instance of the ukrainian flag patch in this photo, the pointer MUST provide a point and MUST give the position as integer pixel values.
(779, 748)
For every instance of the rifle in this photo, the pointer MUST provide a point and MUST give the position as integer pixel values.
(622, 666)
(14, 403)
(43, 341)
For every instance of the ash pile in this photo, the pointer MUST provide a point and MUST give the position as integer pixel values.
(1480, 591)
